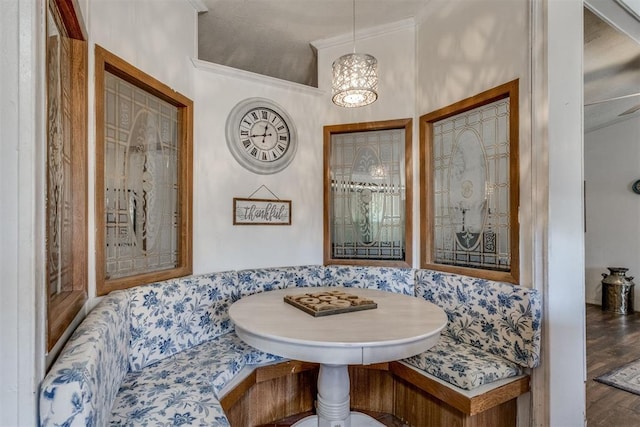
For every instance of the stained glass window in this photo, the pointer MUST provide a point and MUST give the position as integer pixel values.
(143, 177)
(141, 180)
(470, 186)
(66, 196)
(367, 192)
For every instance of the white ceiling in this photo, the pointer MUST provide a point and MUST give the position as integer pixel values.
(273, 38)
(611, 70)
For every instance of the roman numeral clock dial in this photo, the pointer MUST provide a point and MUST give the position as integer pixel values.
(261, 136)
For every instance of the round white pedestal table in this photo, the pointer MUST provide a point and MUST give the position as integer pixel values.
(401, 326)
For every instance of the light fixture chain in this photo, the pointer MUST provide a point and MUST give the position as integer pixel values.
(354, 26)
(354, 81)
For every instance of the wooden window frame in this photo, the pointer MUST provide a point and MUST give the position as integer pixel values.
(407, 125)
(63, 307)
(507, 90)
(106, 61)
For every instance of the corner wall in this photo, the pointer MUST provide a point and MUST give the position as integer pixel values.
(465, 48)
(218, 178)
(141, 33)
(218, 244)
(21, 239)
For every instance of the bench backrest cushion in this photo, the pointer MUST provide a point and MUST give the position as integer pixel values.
(500, 318)
(398, 280)
(174, 315)
(81, 387)
(257, 280)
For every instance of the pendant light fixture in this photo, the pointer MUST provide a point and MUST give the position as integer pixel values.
(355, 76)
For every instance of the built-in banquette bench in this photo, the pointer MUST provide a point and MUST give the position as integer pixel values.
(167, 354)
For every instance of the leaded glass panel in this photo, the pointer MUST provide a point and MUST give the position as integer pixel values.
(141, 180)
(368, 189)
(471, 188)
(59, 161)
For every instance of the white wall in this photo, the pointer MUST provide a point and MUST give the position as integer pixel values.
(218, 244)
(141, 33)
(395, 51)
(156, 36)
(21, 241)
(465, 48)
(563, 356)
(218, 178)
(612, 164)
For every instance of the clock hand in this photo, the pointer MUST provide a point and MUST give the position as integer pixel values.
(265, 134)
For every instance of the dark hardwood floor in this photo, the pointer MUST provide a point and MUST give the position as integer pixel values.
(612, 340)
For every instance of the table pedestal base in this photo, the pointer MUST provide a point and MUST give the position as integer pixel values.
(333, 401)
(356, 420)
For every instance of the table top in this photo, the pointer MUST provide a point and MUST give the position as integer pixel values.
(401, 326)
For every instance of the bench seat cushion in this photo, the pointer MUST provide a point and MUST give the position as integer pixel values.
(463, 365)
(398, 280)
(258, 280)
(147, 402)
(87, 375)
(172, 316)
(185, 386)
(500, 318)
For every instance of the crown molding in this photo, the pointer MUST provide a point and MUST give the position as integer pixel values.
(617, 15)
(226, 71)
(199, 6)
(366, 33)
(631, 6)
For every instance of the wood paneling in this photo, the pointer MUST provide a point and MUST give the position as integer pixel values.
(272, 393)
(279, 395)
(418, 408)
(471, 406)
(371, 388)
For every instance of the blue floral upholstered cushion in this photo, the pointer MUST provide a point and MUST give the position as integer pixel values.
(500, 318)
(175, 315)
(463, 365)
(398, 280)
(161, 352)
(185, 387)
(152, 402)
(257, 280)
(87, 375)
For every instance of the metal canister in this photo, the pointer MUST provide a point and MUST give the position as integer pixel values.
(617, 291)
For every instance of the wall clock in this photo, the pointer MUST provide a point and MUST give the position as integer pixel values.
(261, 136)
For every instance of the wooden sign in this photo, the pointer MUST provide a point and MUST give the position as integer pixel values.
(261, 212)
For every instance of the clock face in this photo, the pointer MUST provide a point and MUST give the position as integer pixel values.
(261, 136)
(264, 134)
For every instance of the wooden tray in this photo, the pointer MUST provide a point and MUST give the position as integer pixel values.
(329, 302)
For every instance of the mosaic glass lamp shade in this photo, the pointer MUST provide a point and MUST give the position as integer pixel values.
(355, 80)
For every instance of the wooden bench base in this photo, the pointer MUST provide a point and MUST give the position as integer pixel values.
(279, 391)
